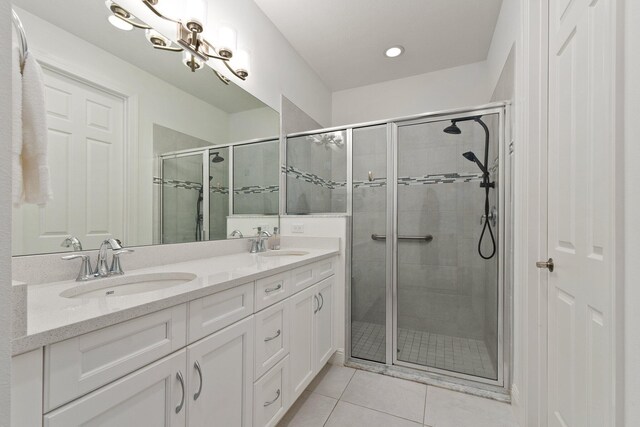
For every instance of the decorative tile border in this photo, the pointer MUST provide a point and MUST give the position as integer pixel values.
(446, 178)
(190, 185)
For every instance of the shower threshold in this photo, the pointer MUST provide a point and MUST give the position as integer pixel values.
(420, 350)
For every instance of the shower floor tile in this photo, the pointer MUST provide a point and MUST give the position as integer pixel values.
(464, 355)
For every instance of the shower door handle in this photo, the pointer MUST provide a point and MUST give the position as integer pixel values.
(426, 238)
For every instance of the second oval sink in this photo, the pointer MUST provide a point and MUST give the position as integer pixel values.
(127, 285)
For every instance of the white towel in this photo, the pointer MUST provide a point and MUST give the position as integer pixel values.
(16, 127)
(35, 170)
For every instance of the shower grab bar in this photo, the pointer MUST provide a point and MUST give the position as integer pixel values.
(426, 238)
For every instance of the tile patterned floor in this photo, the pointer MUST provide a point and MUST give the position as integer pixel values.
(464, 355)
(344, 397)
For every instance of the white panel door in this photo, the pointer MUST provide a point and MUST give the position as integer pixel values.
(221, 378)
(302, 358)
(86, 160)
(324, 322)
(581, 207)
(152, 396)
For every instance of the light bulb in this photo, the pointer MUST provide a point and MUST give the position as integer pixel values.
(242, 63)
(394, 51)
(196, 15)
(119, 23)
(227, 40)
(191, 61)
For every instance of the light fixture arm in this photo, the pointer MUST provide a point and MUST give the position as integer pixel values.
(235, 73)
(222, 78)
(168, 48)
(132, 22)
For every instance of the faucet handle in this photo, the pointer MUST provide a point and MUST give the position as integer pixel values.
(85, 268)
(116, 267)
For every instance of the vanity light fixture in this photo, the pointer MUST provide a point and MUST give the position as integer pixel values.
(196, 50)
(190, 37)
(394, 51)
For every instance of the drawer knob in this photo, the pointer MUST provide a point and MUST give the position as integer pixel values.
(273, 337)
(271, 402)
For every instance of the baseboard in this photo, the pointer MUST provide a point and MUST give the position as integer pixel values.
(338, 357)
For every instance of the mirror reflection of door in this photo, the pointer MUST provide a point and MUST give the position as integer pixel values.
(86, 148)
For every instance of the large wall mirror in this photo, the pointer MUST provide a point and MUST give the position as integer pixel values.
(140, 147)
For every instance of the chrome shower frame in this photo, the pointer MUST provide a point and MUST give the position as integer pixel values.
(497, 389)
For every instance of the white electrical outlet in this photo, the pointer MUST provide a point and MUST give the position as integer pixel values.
(297, 228)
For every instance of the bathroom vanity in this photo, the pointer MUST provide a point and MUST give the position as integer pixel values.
(238, 343)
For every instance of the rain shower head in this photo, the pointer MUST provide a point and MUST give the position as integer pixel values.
(453, 129)
(217, 158)
(469, 155)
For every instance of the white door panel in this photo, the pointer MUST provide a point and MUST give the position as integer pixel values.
(86, 161)
(581, 206)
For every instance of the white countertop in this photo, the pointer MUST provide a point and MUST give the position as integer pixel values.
(52, 318)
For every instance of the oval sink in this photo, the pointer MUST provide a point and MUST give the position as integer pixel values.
(283, 253)
(128, 285)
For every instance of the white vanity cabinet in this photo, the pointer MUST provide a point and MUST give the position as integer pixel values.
(312, 337)
(220, 377)
(237, 358)
(152, 396)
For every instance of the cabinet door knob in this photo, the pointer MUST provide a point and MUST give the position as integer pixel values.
(273, 337)
(271, 402)
(546, 264)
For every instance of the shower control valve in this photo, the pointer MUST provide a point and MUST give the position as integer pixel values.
(493, 217)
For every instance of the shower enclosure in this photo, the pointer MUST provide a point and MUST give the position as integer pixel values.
(189, 213)
(427, 200)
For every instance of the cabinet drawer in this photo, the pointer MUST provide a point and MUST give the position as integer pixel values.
(307, 275)
(272, 337)
(82, 364)
(152, 396)
(272, 289)
(210, 314)
(270, 395)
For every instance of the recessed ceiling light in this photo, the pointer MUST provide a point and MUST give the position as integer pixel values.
(119, 23)
(394, 51)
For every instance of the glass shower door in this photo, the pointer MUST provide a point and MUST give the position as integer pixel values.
(447, 294)
(369, 244)
(182, 199)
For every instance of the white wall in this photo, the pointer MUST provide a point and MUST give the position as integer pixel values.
(259, 121)
(506, 33)
(5, 212)
(632, 214)
(276, 68)
(440, 90)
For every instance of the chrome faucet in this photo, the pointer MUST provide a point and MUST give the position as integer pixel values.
(236, 233)
(257, 244)
(72, 241)
(102, 269)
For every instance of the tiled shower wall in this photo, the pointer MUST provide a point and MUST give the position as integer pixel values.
(256, 175)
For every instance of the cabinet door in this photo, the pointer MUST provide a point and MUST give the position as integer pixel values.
(301, 340)
(220, 371)
(324, 327)
(152, 396)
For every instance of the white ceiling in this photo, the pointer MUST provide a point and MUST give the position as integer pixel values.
(344, 40)
(87, 19)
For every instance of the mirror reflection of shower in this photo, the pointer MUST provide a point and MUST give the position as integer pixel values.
(486, 183)
(215, 158)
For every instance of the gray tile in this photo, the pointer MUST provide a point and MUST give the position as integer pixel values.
(310, 410)
(346, 414)
(386, 394)
(332, 380)
(446, 408)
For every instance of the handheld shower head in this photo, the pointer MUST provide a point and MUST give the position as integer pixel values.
(217, 158)
(469, 155)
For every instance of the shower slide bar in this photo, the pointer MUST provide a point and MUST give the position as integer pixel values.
(426, 238)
